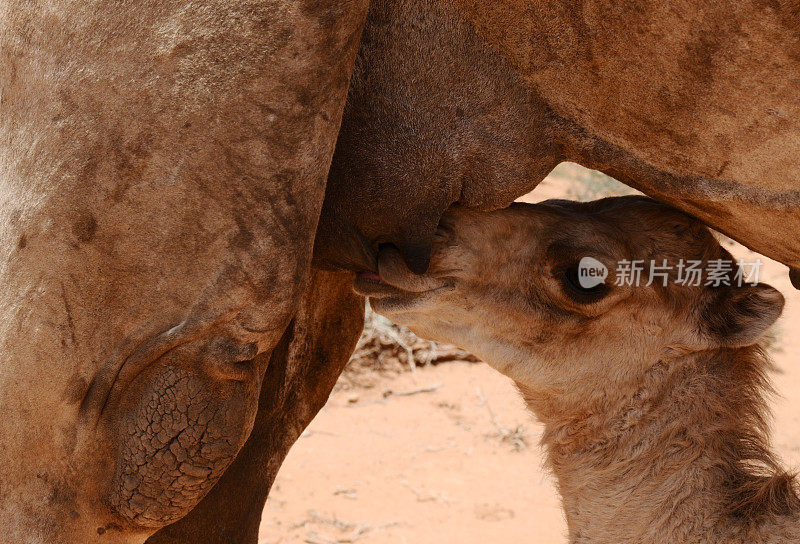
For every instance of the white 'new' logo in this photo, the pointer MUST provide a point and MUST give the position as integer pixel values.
(591, 272)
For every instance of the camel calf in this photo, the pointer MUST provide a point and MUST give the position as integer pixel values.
(652, 396)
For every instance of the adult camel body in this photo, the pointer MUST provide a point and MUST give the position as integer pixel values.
(694, 103)
(162, 167)
(473, 102)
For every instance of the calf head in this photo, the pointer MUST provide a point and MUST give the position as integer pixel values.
(542, 294)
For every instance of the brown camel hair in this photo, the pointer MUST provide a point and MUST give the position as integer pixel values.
(652, 396)
(163, 338)
(474, 102)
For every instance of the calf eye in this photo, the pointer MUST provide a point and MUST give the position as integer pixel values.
(581, 289)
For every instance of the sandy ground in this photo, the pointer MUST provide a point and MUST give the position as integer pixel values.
(449, 453)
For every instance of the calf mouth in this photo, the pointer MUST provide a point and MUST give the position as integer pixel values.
(394, 280)
(370, 284)
(391, 300)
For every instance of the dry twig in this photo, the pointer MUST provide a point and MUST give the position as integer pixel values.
(515, 437)
(428, 389)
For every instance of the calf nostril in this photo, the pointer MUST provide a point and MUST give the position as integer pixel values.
(445, 228)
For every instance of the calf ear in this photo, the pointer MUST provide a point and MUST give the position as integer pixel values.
(740, 316)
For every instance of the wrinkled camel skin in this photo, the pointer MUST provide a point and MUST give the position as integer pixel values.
(694, 103)
(162, 167)
(303, 370)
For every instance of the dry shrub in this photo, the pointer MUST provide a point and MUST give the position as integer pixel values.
(387, 349)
